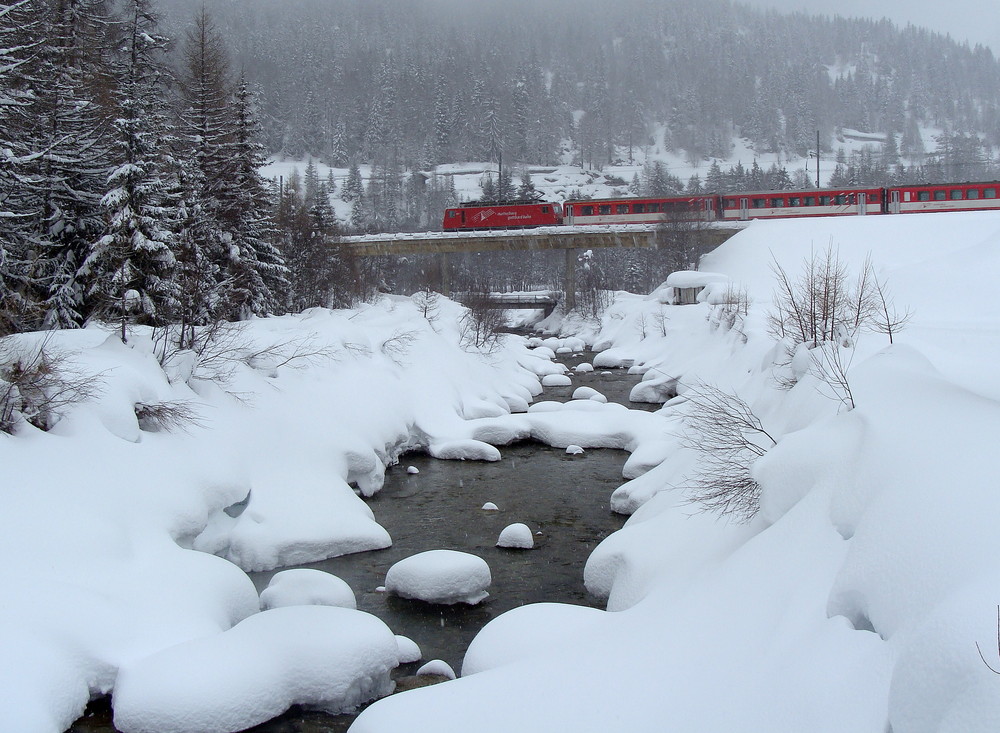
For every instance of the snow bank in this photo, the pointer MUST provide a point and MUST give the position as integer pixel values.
(122, 537)
(854, 601)
(331, 658)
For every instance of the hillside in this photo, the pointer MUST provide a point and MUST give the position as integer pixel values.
(414, 84)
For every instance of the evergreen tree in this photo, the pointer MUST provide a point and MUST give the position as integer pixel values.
(65, 131)
(16, 29)
(354, 187)
(257, 270)
(130, 269)
(208, 171)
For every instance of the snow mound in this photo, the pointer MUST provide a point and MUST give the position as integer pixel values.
(409, 651)
(527, 631)
(583, 368)
(306, 587)
(556, 380)
(588, 393)
(331, 658)
(440, 576)
(464, 449)
(490, 507)
(516, 536)
(438, 667)
(412, 470)
(574, 450)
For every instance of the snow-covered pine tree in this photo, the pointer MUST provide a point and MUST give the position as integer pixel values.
(66, 139)
(130, 268)
(257, 273)
(16, 44)
(354, 187)
(205, 132)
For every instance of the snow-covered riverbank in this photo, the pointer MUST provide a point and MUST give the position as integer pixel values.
(856, 597)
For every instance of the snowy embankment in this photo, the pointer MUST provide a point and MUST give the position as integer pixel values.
(855, 599)
(129, 527)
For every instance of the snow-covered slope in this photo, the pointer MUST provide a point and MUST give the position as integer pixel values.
(854, 601)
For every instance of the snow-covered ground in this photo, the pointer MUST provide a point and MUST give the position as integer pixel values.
(854, 600)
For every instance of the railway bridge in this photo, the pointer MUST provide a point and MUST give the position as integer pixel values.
(571, 240)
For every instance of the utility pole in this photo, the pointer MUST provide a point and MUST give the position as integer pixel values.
(817, 158)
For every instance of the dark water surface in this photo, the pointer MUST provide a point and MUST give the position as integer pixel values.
(563, 499)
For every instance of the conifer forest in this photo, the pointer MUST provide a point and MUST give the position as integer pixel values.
(133, 132)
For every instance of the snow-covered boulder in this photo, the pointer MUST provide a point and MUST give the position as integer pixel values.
(556, 380)
(463, 449)
(326, 657)
(412, 470)
(584, 368)
(306, 587)
(574, 450)
(440, 576)
(490, 507)
(409, 651)
(437, 667)
(588, 393)
(516, 536)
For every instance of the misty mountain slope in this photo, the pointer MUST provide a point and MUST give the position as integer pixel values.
(423, 82)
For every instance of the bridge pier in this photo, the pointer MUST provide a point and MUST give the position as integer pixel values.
(445, 274)
(569, 281)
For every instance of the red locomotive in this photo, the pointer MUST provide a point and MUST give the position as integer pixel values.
(742, 206)
(515, 215)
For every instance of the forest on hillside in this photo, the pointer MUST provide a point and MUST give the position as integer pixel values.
(413, 83)
(133, 134)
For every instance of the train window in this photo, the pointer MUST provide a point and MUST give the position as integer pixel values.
(653, 208)
(940, 195)
(989, 193)
(972, 193)
(586, 211)
(956, 194)
(840, 199)
(794, 201)
(639, 208)
(604, 209)
(777, 203)
(452, 214)
(731, 203)
(824, 200)
(621, 209)
(873, 197)
(808, 200)
(757, 203)
(923, 196)
(545, 209)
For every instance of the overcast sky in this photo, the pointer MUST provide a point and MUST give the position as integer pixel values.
(976, 21)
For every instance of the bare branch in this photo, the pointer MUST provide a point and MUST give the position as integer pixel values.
(727, 435)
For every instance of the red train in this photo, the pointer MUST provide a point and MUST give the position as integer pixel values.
(743, 206)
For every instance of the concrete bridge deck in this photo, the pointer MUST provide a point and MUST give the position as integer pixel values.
(539, 238)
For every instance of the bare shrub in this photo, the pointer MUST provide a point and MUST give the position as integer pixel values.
(397, 346)
(481, 324)
(728, 438)
(887, 319)
(826, 312)
(168, 416)
(660, 320)
(821, 305)
(38, 384)
(214, 352)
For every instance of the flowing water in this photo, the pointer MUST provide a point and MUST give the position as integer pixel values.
(564, 499)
